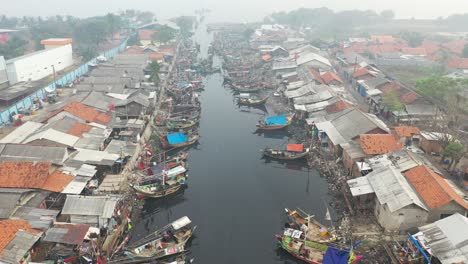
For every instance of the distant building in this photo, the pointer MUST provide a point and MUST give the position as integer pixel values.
(56, 56)
(3, 73)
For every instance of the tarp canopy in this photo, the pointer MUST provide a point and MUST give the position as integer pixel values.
(276, 120)
(181, 222)
(175, 171)
(335, 256)
(176, 138)
(295, 147)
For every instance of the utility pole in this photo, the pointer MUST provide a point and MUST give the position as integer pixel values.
(53, 73)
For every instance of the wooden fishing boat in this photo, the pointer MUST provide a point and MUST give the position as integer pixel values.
(294, 242)
(315, 230)
(245, 89)
(178, 140)
(168, 241)
(292, 152)
(161, 184)
(250, 100)
(180, 124)
(275, 122)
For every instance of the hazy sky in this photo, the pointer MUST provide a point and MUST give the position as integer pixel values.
(228, 10)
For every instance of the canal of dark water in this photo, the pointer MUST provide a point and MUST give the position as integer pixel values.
(236, 198)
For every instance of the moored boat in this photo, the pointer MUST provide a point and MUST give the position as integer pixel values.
(162, 184)
(292, 152)
(178, 140)
(293, 242)
(251, 100)
(180, 124)
(168, 241)
(314, 229)
(275, 122)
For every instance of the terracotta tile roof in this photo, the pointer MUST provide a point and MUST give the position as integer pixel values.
(460, 63)
(10, 227)
(315, 74)
(338, 106)
(156, 56)
(328, 77)
(420, 51)
(134, 50)
(146, 34)
(167, 49)
(356, 49)
(430, 46)
(406, 131)
(79, 129)
(456, 46)
(84, 112)
(379, 49)
(266, 57)
(33, 175)
(361, 72)
(384, 39)
(409, 97)
(389, 87)
(376, 144)
(433, 188)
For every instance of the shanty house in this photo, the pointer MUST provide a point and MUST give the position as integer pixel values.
(91, 210)
(446, 239)
(16, 241)
(440, 195)
(406, 134)
(397, 207)
(133, 107)
(431, 142)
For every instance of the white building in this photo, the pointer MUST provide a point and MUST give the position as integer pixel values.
(3, 73)
(56, 56)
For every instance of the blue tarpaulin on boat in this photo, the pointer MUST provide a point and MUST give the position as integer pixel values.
(182, 84)
(335, 256)
(177, 138)
(276, 120)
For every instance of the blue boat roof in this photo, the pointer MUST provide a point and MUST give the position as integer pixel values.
(176, 138)
(276, 120)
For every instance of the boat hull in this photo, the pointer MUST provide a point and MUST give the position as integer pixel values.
(157, 194)
(266, 153)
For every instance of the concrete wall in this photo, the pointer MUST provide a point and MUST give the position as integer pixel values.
(38, 65)
(430, 146)
(3, 72)
(408, 217)
(450, 208)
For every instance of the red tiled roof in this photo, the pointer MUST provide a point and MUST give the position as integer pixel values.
(156, 56)
(33, 175)
(134, 50)
(459, 63)
(10, 227)
(361, 72)
(78, 129)
(379, 49)
(316, 74)
(406, 131)
(337, 106)
(384, 39)
(433, 188)
(85, 112)
(430, 46)
(146, 34)
(328, 77)
(409, 97)
(389, 88)
(167, 49)
(266, 57)
(376, 144)
(456, 46)
(420, 51)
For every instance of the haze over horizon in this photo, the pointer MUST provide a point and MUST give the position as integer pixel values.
(222, 10)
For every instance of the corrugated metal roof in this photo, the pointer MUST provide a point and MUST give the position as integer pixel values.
(421, 110)
(102, 206)
(119, 147)
(18, 152)
(353, 150)
(64, 233)
(54, 136)
(313, 98)
(331, 132)
(94, 157)
(392, 189)
(448, 239)
(22, 132)
(19, 246)
(8, 202)
(360, 186)
(84, 170)
(310, 108)
(352, 122)
(304, 90)
(76, 186)
(37, 218)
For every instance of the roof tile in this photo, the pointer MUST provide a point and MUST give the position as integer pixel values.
(10, 227)
(338, 106)
(376, 144)
(433, 188)
(406, 131)
(84, 112)
(79, 129)
(328, 77)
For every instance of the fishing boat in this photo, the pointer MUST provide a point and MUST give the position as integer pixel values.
(180, 124)
(245, 89)
(275, 122)
(316, 231)
(294, 242)
(160, 184)
(292, 152)
(178, 140)
(251, 100)
(165, 242)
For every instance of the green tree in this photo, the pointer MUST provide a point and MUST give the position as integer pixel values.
(154, 67)
(248, 33)
(164, 34)
(114, 23)
(185, 23)
(414, 39)
(455, 151)
(392, 102)
(465, 51)
(439, 87)
(14, 47)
